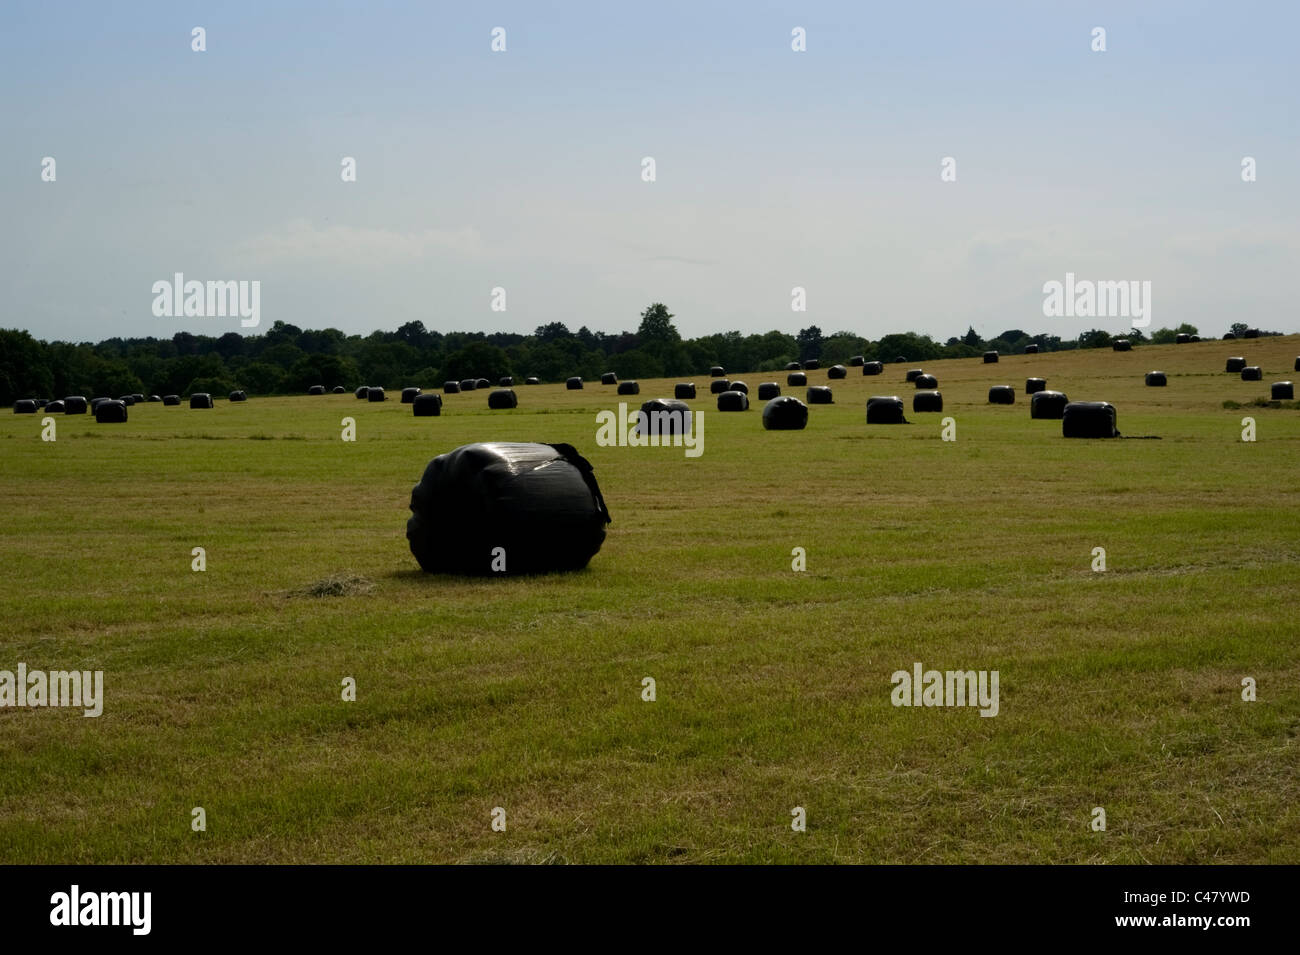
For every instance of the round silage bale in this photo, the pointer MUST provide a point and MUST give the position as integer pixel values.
(837, 371)
(376, 394)
(171, 401)
(717, 372)
(111, 412)
(629, 388)
(1035, 385)
(26, 406)
(201, 399)
(1234, 365)
(339, 390)
(451, 387)
(1282, 391)
(738, 386)
(1182, 338)
(363, 392)
(427, 406)
(796, 379)
(573, 384)
(785, 413)
(316, 390)
(1002, 395)
(468, 384)
(75, 404)
(1121, 344)
(609, 378)
(857, 361)
(927, 401)
(507, 381)
(913, 374)
(768, 390)
(684, 390)
(503, 398)
(719, 385)
(873, 368)
(820, 395)
(127, 400)
(408, 394)
(1048, 404)
(1157, 379)
(812, 364)
(990, 358)
(1252, 373)
(885, 409)
(733, 401)
(532, 380)
(1031, 349)
(55, 407)
(793, 366)
(1089, 419)
(664, 417)
(926, 382)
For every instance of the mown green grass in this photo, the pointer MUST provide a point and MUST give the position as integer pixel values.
(1120, 690)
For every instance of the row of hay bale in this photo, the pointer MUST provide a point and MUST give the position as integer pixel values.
(78, 404)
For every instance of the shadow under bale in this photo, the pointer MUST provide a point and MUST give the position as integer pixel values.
(733, 401)
(837, 371)
(768, 390)
(451, 387)
(873, 368)
(609, 378)
(629, 388)
(1035, 385)
(1234, 365)
(796, 379)
(507, 508)
(1002, 395)
(75, 404)
(785, 414)
(1282, 391)
(1089, 419)
(928, 382)
(927, 401)
(719, 385)
(427, 406)
(408, 395)
(376, 394)
(200, 399)
(820, 395)
(1157, 379)
(885, 409)
(503, 398)
(25, 406)
(111, 412)
(1048, 404)
(573, 384)
(990, 358)
(171, 401)
(1252, 373)
(1121, 344)
(664, 418)
(684, 390)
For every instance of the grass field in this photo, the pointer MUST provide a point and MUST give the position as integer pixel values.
(1119, 690)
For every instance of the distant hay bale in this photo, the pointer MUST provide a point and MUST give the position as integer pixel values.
(468, 384)
(153, 398)
(1035, 385)
(927, 401)
(408, 395)
(427, 406)
(1196, 338)
(664, 418)
(532, 380)
(139, 398)
(990, 358)
(1229, 336)
(793, 366)
(914, 374)
(362, 392)
(733, 401)
(200, 399)
(820, 395)
(857, 361)
(75, 404)
(55, 407)
(1002, 395)
(837, 371)
(171, 401)
(482, 383)
(316, 390)
(237, 396)
(1182, 338)
(1252, 373)
(573, 384)
(717, 372)
(339, 390)
(538, 505)
(796, 379)
(768, 390)
(812, 364)
(111, 412)
(1157, 379)
(1048, 404)
(684, 390)
(503, 398)
(1089, 419)
(376, 394)
(451, 387)
(1234, 365)
(508, 381)
(926, 382)
(1121, 344)
(785, 414)
(609, 378)
(25, 406)
(1252, 333)
(719, 385)
(738, 386)
(1282, 391)
(885, 409)
(1031, 349)
(873, 368)
(127, 400)
(900, 359)
(629, 388)
(1297, 364)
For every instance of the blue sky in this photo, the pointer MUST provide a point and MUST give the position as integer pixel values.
(522, 169)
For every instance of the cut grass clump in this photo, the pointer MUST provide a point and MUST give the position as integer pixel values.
(336, 585)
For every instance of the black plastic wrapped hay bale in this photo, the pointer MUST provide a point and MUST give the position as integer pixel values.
(739, 386)
(408, 395)
(900, 359)
(796, 379)
(793, 366)
(1252, 373)
(339, 390)
(629, 388)
(717, 372)
(111, 412)
(926, 382)
(482, 383)
(238, 396)
(153, 398)
(25, 406)
(200, 399)
(75, 404)
(1089, 419)
(55, 407)
(768, 390)
(820, 395)
(42, 402)
(913, 374)
(1282, 391)
(718, 386)
(468, 384)
(837, 371)
(1196, 338)
(1234, 365)
(539, 503)
(451, 387)
(1252, 333)
(427, 406)
(873, 368)
(532, 380)
(362, 393)
(1031, 349)
(609, 378)
(664, 417)
(1157, 379)
(1121, 344)
(927, 401)
(171, 401)
(1182, 338)
(316, 390)
(96, 402)
(139, 398)
(684, 390)
(812, 364)
(1297, 364)
(1002, 395)
(376, 394)
(506, 382)
(1048, 404)
(503, 398)
(990, 358)
(885, 409)
(573, 384)
(857, 361)
(786, 413)
(733, 401)
(1228, 336)
(127, 400)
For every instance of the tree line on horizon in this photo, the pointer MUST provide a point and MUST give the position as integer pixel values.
(289, 360)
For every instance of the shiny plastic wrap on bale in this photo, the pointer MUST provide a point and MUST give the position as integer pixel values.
(539, 502)
(1089, 419)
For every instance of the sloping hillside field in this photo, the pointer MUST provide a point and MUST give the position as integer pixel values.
(1163, 691)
